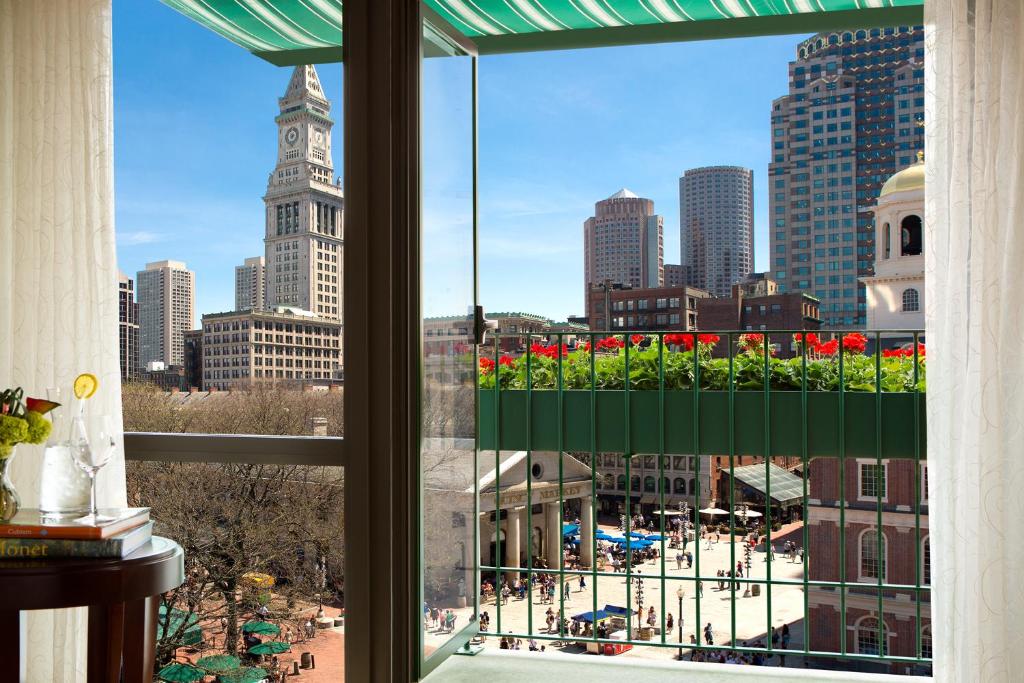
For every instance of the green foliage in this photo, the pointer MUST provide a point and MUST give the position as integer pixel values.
(678, 368)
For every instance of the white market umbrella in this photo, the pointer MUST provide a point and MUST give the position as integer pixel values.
(751, 514)
(714, 511)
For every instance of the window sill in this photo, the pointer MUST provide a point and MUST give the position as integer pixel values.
(527, 666)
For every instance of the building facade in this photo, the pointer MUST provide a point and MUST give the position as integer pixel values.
(902, 556)
(851, 119)
(250, 285)
(167, 299)
(660, 308)
(304, 205)
(623, 243)
(128, 326)
(676, 275)
(194, 359)
(284, 346)
(716, 226)
(756, 304)
(895, 293)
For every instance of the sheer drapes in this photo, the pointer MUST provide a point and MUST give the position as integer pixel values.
(58, 271)
(975, 323)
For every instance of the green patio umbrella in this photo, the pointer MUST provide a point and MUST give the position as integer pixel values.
(271, 647)
(180, 673)
(250, 675)
(261, 627)
(218, 663)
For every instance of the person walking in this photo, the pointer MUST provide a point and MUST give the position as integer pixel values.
(583, 583)
(679, 561)
(669, 622)
(652, 617)
(700, 589)
(709, 635)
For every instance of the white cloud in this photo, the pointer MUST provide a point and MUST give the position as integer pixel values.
(133, 238)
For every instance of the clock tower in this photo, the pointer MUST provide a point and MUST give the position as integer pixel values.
(304, 204)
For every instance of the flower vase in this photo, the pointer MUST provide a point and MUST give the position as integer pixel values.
(9, 501)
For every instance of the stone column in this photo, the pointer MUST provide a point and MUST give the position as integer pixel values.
(552, 534)
(586, 532)
(512, 536)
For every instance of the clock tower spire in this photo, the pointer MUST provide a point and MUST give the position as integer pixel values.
(304, 204)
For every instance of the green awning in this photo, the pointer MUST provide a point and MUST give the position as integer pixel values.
(290, 32)
(786, 487)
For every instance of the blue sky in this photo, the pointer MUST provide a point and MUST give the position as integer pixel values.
(195, 142)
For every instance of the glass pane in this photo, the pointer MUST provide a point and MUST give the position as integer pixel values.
(448, 455)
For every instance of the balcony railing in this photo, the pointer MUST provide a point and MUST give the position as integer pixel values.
(844, 409)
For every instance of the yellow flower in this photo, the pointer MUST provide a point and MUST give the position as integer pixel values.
(13, 430)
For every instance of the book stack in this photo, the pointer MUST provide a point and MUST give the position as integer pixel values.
(33, 536)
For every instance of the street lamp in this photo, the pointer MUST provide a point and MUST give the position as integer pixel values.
(680, 593)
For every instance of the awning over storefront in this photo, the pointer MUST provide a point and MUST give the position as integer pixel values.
(291, 32)
(786, 487)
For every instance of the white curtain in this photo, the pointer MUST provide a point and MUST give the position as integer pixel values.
(974, 218)
(58, 270)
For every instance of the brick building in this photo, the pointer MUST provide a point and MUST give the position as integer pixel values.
(905, 557)
(659, 308)
(755, 305)
(284, 346)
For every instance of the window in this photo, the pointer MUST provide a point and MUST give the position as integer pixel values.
(867, 637)
(926, 561)
(926, 642)
(911, 300)
(910, 236)
(679, 486)
(649, 485)
(872, 481)
(872, 556)
(621, 482)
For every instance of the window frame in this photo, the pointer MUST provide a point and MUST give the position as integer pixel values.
(881, 562)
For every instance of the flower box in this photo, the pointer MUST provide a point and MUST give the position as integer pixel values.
(854, 427)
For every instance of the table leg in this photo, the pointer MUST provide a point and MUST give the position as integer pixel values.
(141, 618)
(11, 637)
(106, 638)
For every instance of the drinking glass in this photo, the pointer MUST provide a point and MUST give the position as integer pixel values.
(92, 445)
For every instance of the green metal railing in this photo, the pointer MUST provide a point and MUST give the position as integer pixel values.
(817, 578)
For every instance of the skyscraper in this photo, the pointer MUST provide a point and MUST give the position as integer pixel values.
(167, 300)
(851, 119)
(128, 325)
(716, 226)
(304, 204)
(623, 243)
(250, 285)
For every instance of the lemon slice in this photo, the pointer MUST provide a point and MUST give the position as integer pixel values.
(86, 385)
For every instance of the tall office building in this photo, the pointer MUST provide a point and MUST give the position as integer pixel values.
(716, 226)
(304, 205)
(623, 243)
(128, 325)
(250, 285)
(851, 119)
(167, 300)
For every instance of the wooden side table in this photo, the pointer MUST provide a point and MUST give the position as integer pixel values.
(123, 597)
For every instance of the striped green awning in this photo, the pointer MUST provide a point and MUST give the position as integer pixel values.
(303, 31)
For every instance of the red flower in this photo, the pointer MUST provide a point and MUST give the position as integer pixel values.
(829, 348)
(40, 405)
(583, 346)
(855, 343)
(677, 339)
(506, 361)
(708, 339)
(610, 344)
(752, 342)
(637, 338)
(809, 337)
(486, 365)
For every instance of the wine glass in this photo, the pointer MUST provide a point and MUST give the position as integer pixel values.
(92, 445)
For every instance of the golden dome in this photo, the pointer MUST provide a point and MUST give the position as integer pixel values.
(910, 178)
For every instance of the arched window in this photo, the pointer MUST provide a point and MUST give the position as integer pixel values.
(911, 301)
(634, 482)
(887, 237)
(847, 37)
(693, 487)
(872, 557)
(666, 485)
(621, 484)
(910, 236)
(926, 561)
(861, 35)
(649, 484)
(868, 641)
(680, 485)
(609, 482)
(926, 642)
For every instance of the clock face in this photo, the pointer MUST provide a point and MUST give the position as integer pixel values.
(291, 136)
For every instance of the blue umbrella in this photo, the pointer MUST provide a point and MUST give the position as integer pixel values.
(655, 537)
(637, 534)
(602, 536)
(570, 529)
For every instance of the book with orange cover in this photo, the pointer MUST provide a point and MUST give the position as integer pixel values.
(33, 524)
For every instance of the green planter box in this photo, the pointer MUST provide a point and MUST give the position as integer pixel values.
(825, 430)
